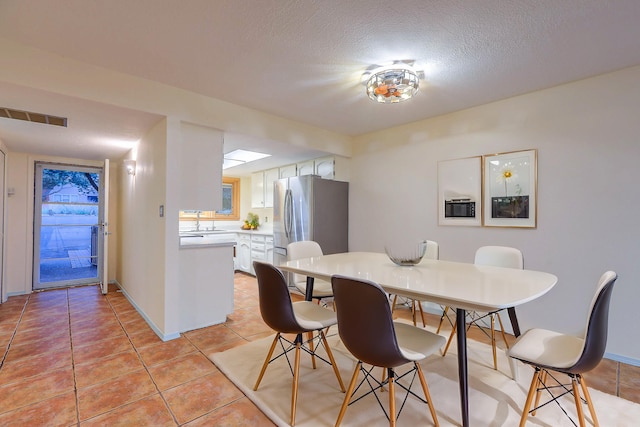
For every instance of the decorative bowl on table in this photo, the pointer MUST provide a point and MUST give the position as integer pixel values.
(406, 255)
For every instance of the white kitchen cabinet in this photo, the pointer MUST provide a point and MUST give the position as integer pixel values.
(288, 171)
(262, 188)
(253, 247)
(243, 252)
(257, 190)
(270, 176)
(268, 247)
(257, 250)
(325, 167)
(306, 168)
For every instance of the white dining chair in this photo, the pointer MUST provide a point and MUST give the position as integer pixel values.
(432, 252)
(308, 249)
(496, 256)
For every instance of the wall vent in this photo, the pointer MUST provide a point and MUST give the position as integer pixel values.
(28, 116)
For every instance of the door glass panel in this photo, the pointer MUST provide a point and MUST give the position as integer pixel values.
(68, 226)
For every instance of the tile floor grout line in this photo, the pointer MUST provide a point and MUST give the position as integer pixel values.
(73, 364)
(15, 331)
(144, 365)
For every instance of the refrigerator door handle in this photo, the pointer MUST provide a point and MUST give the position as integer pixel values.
(288, 213)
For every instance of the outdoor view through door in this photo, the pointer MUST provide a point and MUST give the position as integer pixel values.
(67, 231)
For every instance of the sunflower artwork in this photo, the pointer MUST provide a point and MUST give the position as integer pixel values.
(510, 186)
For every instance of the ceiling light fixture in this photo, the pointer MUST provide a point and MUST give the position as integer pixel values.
(392, 84)
(130, 166)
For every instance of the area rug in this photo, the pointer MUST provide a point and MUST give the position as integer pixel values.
(494, 398)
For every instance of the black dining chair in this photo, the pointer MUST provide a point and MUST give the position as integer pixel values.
(368, 331)
(298, 318)
(552, 352)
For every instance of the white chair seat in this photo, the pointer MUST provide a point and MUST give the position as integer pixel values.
(321, 288)
(415, 343)
(313, 316)
(548, 348)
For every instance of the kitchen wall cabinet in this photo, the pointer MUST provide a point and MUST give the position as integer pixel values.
(288, 171)
(306, 168)
(270, 176)
(262, 188)
(257, 190)
(325, 167)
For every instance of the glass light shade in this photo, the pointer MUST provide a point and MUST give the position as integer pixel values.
(130, 165)
(392, 84)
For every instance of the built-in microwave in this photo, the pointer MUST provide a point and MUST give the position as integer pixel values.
(459, 208)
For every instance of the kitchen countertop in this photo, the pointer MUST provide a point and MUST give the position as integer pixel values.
(213, 238)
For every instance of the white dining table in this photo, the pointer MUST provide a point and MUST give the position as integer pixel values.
(460, 285)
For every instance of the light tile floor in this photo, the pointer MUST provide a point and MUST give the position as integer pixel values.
(76, 357)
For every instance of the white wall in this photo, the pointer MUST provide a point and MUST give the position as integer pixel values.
(140, 267)
(586, 134)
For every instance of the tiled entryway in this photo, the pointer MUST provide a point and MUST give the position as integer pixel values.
(76, 357)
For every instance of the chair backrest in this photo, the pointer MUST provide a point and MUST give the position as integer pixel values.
(275, 301)
(365, 324)
(499, 256)
(595, 338)
(302, 249)
(433, 251)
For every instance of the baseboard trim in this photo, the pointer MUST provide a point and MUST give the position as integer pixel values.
(158, 332)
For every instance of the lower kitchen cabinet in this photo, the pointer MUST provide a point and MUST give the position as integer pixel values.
(253, 247)
(243, 252)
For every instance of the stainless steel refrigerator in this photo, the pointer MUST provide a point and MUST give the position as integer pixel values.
(310, 208)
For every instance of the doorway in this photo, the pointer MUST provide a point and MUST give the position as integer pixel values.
(68, 218)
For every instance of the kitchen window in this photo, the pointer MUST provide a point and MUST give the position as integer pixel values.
(230, 204)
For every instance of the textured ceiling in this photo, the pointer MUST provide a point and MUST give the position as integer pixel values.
(303, 60)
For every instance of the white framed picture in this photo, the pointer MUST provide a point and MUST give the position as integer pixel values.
(460, 191)
(510, 189)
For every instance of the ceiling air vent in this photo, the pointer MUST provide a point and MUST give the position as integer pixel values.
(33, 117)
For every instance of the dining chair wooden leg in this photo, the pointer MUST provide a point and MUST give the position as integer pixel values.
(347, 398)
(587, 397)
(532, 390)
(424, 324)
(266, 361)
(393, 306)
(542, 381)
(294, 387)
(453, 333)
(334, 365)
(427, 395)
(392, 399)
(576, 397)
(313, 357)
(444, 313)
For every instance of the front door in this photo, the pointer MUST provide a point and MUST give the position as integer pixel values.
(68, 220)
